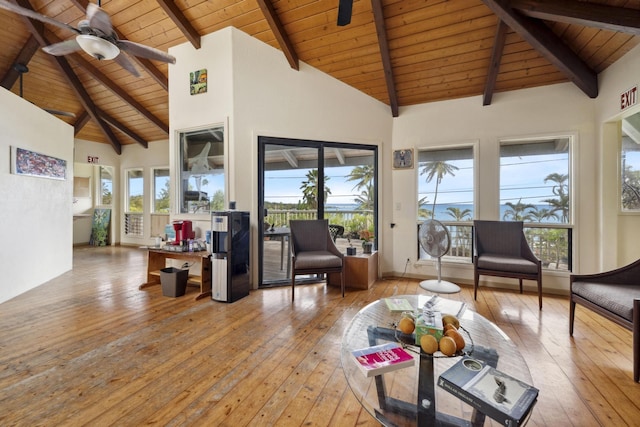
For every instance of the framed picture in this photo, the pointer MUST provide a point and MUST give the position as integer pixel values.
(403, 159)
(198, 81)
(25, 162)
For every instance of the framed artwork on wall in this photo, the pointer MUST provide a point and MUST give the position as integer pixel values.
(198, 81)
(403, 159)
(30, 163)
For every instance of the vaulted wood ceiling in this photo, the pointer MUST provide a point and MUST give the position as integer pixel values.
(401, 52)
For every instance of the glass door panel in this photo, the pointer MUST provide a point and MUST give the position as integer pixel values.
(349, 176)
(290, 191)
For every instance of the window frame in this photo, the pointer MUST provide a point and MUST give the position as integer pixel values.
(99, 198)
(177, 181)
(154, 189)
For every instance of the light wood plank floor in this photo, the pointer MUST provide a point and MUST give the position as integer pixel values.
(89, 348)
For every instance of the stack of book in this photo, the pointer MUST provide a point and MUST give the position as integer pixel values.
(492, 392)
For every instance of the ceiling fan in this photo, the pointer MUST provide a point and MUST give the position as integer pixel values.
(95, 36)
(22, 69)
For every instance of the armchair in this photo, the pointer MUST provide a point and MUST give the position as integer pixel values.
(615, 295)
(501, 249)
(313, 251)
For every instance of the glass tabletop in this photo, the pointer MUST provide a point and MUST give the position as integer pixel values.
(409, 396)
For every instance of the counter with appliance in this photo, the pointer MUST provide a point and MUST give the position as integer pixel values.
(158, 260)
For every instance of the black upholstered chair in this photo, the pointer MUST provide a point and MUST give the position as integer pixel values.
(615, 295)
(313, 251)
(501, 249)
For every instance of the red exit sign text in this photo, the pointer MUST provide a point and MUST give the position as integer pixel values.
(92, 159)
(629, 98)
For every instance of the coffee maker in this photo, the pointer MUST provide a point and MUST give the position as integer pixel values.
(184, 231)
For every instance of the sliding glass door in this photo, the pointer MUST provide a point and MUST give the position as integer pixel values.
(301, 179)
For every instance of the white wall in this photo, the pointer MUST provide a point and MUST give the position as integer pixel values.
(618, 233)
(557, 109)
(106, 157)
(251, 85)
(36, 225)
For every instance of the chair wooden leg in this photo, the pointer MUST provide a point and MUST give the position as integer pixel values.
(636, 340)
(293, 286)
(476, 279)
(572, 315)
(520, 281)
(539, 293)
(342, 284)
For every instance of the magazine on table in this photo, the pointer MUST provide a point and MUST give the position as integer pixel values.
(382, 358)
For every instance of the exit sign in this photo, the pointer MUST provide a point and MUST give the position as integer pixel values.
(629, 98)
(92, 159)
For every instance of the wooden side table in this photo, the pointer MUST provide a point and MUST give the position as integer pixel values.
(361, 271)
(158, 260)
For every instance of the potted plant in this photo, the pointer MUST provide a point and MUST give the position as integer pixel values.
(367, 241)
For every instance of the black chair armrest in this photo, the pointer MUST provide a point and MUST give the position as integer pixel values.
(626, 275)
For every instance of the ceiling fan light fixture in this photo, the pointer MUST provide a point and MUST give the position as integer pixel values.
(97, 47)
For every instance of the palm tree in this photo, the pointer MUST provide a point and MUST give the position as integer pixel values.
(310, 189)
(363, 174)
(438, 170)
(365, 199)
(560, 189)
(422, 212)
(459, 215)
(517, 211)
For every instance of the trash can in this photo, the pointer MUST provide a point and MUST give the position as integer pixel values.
(173, 281)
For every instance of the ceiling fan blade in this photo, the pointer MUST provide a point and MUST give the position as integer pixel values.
(124, 62)
(143, 51)
(344, 12)
(63, 48)
(99, 19)
(35, 15)
(59, 112)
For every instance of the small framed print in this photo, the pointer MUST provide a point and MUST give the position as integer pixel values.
(198, 81)
(403, 159)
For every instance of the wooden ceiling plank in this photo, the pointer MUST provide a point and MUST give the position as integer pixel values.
(378, 18)
(549, 45)
(278, 30)
(181, 22)
(618, 19)
(117, 90)
(494, 67)
(122, 128)
(24, 56)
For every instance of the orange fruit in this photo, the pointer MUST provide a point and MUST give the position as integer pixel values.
(457, 337)
(447, 346)
(448, 327)
(406, 325)
(429, 344)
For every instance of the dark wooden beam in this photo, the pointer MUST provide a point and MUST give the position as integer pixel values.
(181, 22)
(619, 19)
(81, 121)
(118, 91)
(496, 57)
(37, 30)
(122, 128)
(24, 56)
(144, 63)
(281, 34)
(378, 16)
(549, 45)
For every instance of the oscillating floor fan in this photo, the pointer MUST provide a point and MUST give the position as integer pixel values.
(435, 241)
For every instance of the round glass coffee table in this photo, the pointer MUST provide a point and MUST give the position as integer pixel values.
(410, 396)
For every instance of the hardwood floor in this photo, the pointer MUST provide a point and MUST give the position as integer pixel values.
(89, 348)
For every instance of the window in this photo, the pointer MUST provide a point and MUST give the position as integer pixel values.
(630, 164)
(134, 205)
(202, 170)
(535, 188)
(161, 193)
(106, 185)
(446, 193)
